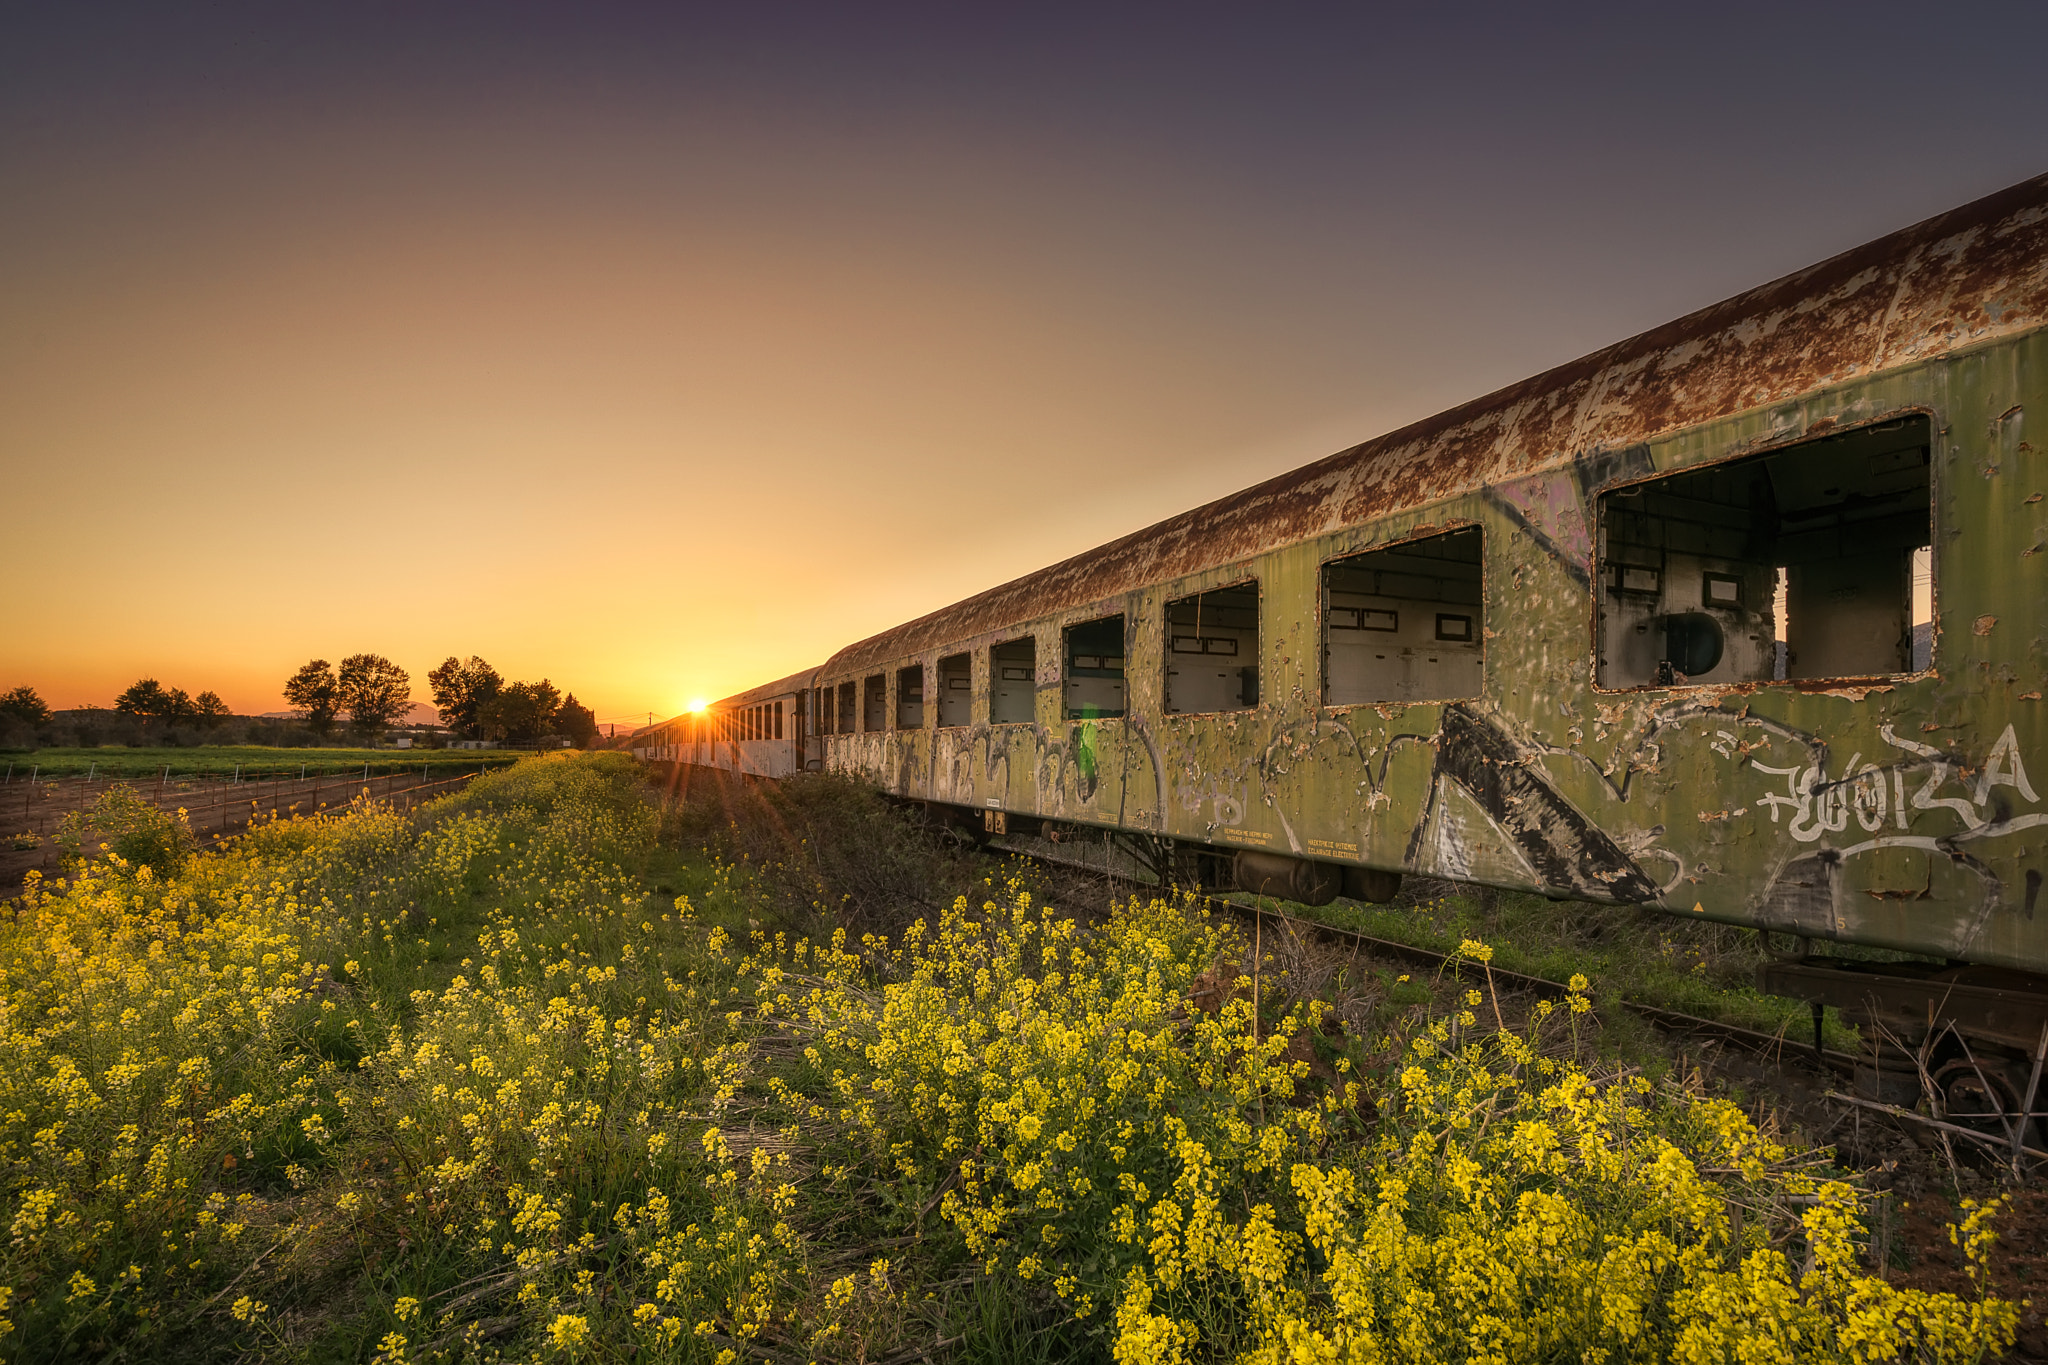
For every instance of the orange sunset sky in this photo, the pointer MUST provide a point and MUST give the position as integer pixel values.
(666, 355)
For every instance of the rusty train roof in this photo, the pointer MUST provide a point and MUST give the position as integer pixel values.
(1972, 274)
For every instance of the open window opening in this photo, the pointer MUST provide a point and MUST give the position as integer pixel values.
(910, 697)
(1094, 655)
(848, 708)
(1807, 562)
(1405, 623)
(956, 690)
(1212, 650)
(1012, 682)
(823, 720)
(874, 703)
(776, 719)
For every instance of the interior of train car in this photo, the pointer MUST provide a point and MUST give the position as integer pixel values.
(1403, 623)
(1812, 561)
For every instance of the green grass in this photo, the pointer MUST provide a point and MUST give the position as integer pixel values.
(253, 761)
(1645, 956)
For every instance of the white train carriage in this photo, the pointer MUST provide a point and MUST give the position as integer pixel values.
(765, 731)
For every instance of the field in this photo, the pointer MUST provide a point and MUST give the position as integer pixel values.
(527, 1076)
(254, 762)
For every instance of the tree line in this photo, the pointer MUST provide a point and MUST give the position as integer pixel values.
(476, 702)
(474, 699)
(145, 699)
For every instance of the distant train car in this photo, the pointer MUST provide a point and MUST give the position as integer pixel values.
(763, 732)
(1744, 618)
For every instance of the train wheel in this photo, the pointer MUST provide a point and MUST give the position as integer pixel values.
(1976, 1097)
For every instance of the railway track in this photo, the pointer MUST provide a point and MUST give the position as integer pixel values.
(1775, 1047)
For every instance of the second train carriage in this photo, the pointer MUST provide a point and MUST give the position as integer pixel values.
(1745, 618)
(765, 731)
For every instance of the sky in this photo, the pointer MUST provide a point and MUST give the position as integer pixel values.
(664, 350)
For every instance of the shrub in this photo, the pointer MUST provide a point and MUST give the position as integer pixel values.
(1084, 1127)
(132, 830)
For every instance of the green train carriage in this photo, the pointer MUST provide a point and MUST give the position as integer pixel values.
(1742, 618)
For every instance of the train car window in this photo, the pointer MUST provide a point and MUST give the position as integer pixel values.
(1403, 623)
(1093, 686)
(1808, 562)
(956, 691)
(874, 703)
(823, 705)
(1013, 682)
(1212, 650)
(777, 718)
(849, 713)
(910, 697)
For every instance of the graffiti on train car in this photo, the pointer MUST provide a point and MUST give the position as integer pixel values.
(1816, 805)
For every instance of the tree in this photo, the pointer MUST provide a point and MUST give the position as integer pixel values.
(315, 695)
(577, 721)
(461, 690)
(24, 703)
(145, 697)
(374, 692)
(522, 712)
(208, 709)
(178, 705)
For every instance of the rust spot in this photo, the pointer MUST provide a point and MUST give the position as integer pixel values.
(1823, 425)
(1984, 625)
(2030, 501)
(2030, 696)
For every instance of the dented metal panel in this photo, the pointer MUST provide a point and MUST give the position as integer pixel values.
(1905, 810)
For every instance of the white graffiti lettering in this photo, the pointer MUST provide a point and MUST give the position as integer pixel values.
(1813, 804)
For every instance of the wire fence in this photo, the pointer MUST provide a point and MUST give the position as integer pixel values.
(37, 808)
(31, 815)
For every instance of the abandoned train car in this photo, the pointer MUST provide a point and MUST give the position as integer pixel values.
(1741, 618)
